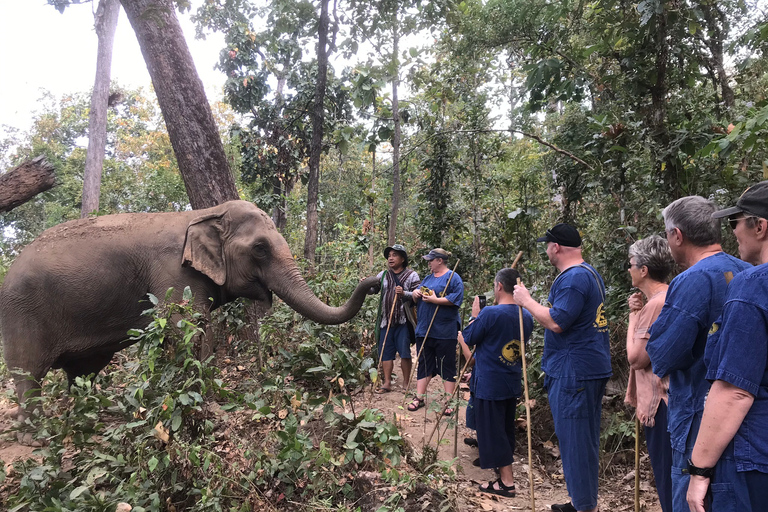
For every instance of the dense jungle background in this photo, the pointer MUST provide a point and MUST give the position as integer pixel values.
(469, 125)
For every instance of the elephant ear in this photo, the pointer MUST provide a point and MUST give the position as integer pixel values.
(203, 248)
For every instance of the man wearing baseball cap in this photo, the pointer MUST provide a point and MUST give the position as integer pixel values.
(576, 361)
(731, 450)
(396, 284)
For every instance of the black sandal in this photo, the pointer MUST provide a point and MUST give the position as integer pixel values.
(507, 491)
(416, 404)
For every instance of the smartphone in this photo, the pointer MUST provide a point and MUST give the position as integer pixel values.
(482, 300)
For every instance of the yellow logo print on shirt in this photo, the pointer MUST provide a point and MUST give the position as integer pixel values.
(715, 327)
(600, 320)
(511, 351)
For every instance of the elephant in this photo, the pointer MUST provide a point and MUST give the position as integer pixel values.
(70, 297)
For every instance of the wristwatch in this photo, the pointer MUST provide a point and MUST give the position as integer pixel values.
(697, 471)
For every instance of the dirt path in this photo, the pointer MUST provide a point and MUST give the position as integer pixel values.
(549, 487)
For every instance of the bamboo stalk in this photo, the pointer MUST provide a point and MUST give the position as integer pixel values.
(637, 464)
(527, 405)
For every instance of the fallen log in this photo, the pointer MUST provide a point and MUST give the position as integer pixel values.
(24, 182)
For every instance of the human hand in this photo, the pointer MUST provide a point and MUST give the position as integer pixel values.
(521, 294)
(476, 306)
(416, 294)
(636, 302)
(399, 291)
(697, 493)
(431, 298)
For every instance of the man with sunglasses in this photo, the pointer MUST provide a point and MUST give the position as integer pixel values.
(694, 301)
(731, 450)
(576, 361)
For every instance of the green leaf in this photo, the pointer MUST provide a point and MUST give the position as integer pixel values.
(176, 421)
(152, 299)
(152, 463)
(78, 491)
(187, 295)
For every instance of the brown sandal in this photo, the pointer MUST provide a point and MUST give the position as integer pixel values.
(416, 404)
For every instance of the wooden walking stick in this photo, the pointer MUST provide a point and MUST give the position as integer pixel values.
(386, 335)
(453, 395)
(426, 335)
(517, 258)
(637, 464)
(527, 405)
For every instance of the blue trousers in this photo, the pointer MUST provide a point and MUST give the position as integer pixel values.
(660, 451)
(680, 476)
(495, 422)
(576, 408)
(737, 491)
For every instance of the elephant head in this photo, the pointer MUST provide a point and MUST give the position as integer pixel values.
(238, 247)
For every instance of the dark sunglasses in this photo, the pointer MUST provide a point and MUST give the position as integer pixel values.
(735, 222)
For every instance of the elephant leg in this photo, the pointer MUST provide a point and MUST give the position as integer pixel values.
(27, 386)
(90, 365)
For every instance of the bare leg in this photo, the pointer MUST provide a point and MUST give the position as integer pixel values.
(406, 366)
(506, 475)
(387, 367)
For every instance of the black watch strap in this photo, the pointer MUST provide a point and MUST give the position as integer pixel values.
(697, 471)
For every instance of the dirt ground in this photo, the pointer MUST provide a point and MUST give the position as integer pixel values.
(616, 493)
(616, 484)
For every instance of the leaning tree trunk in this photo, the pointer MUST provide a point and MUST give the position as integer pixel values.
(318, 118)
(106, 25)
(180, 93)
(24, 182)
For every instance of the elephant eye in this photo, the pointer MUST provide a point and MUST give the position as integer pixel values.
(260, 250)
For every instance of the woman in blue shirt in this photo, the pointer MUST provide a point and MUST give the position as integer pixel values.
(439, 354)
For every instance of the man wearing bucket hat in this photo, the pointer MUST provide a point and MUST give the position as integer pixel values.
(576, 361)
(678, 337)
(731, 450)
(396, 284)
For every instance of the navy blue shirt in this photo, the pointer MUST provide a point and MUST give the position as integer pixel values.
(678, 337)
(737, 353)
(446, 324)
(582, 350)
(498, 367)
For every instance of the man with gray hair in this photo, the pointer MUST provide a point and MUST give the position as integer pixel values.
(678, 337)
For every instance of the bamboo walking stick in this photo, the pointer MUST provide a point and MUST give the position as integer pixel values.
(527, 405)
(386, 335)
(426, 335)
(456, 410)
(637, 464)
(453, 395)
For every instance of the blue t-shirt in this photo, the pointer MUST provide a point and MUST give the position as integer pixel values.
(582, 350)
(446, 324)
(738, 354)
(498, 367)
(678, 337)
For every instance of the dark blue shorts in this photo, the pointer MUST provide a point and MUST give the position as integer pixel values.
(437, 358)
(398, 341)
(495, 425)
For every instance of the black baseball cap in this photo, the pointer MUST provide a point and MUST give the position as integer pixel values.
(563, 234)
(437, 252)
(753, 201)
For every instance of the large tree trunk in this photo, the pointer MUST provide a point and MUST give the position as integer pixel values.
(106, 25)
(396, 140)
(180, 93)
(24, 182)
(318, 118)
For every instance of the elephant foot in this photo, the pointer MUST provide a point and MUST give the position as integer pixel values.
(27, 439)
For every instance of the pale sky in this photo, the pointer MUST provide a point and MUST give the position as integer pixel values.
(42, 49)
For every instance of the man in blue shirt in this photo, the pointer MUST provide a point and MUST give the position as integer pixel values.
(497, 373)
(694, 301)
(733, 437)
(576, 361)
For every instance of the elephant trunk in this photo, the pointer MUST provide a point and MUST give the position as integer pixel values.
(291, 287)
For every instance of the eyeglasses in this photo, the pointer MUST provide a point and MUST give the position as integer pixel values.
(665, 233)
(735, 222)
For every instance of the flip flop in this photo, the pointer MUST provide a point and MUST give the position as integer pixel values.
(470, 441)
(507, 491)
(381, 391)
(416, 404)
